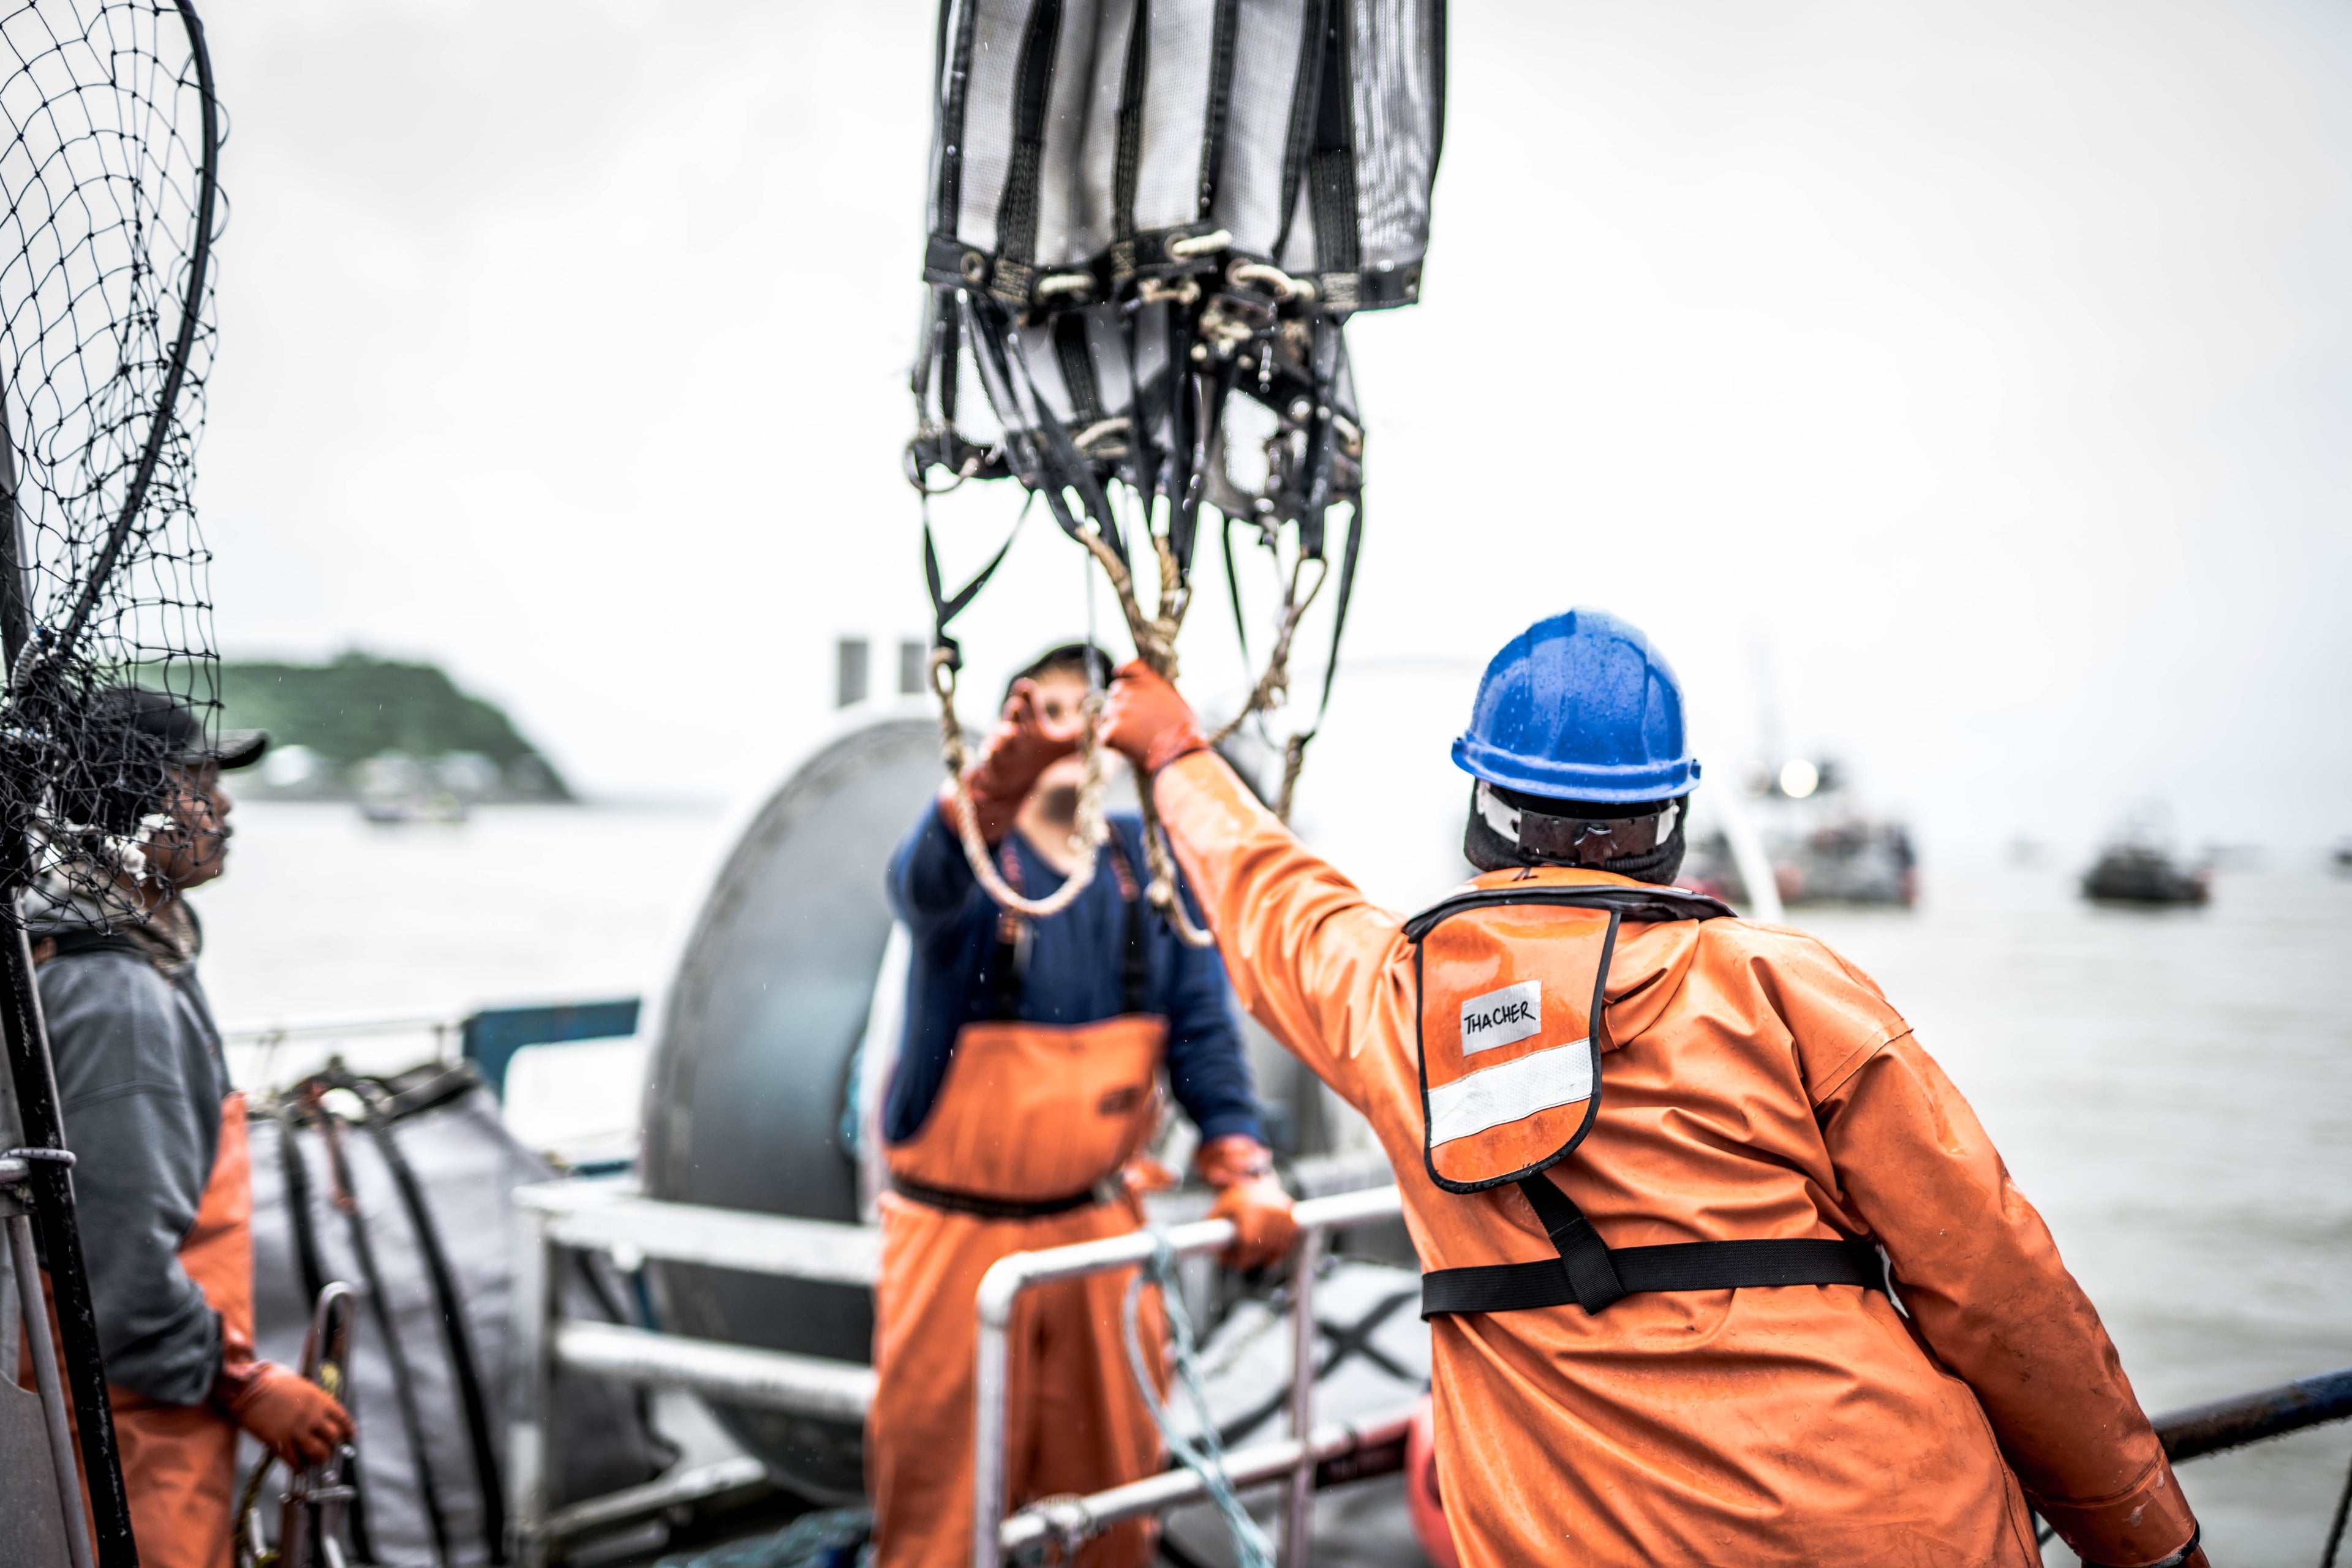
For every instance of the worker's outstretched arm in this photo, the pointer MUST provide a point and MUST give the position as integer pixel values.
(1308, 953)
(1983, 1283)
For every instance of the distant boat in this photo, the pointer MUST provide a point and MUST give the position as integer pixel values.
(397, 811)
(2139, 873)
(1823, 847)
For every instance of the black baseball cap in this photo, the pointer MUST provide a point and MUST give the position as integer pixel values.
(181, 733)
(1078, 658)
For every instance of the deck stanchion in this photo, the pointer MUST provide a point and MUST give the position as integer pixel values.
(534, 1302)
(1001, 1286)
(1298, 1516)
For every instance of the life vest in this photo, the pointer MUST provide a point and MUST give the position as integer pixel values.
(1511, 985)
(1034, 1120)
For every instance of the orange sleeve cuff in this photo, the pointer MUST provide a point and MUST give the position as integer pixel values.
(2146, 1525)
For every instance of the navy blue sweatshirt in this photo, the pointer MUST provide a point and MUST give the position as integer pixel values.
(1075, 966)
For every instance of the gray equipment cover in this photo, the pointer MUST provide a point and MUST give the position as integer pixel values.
(447, 1129)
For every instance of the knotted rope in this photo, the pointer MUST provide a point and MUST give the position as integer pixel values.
(1155, 643)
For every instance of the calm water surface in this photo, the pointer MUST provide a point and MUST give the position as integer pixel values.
(2174, 1090)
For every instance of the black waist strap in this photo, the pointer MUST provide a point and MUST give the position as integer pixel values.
(1590, 1274)
(1684, 1266)
(985, 1207)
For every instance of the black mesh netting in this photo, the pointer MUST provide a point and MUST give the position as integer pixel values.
(106, 335)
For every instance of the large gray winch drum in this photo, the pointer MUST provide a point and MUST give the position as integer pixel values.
(752, 1072)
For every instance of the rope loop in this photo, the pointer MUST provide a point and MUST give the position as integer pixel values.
(1087, 835)
(1282, 284)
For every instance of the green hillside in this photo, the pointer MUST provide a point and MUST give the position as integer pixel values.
(358, 706)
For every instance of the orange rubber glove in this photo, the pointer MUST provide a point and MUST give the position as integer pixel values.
(1023, 744)
(1145, 1174)
(1148, 721)
(1241, 1170)
(293, 1418)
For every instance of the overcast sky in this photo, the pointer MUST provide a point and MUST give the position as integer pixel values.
(1976, 376)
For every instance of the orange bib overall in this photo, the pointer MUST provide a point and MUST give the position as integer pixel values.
(1021, 1151)
(179, 1461)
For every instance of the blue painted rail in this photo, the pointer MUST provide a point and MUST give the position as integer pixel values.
(2251, 1417)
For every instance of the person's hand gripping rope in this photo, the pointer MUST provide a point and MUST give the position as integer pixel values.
(1032, 733)
(1148, 722)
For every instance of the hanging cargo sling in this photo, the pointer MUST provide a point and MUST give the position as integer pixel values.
(1149, 223)
(1510, 1049)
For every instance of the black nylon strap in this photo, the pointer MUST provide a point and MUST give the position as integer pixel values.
(1016, 207)
(1347, 559)
(1683, 1265)
(1584, 1256)
(450, 1307)
(1331, 167)
(1127, 161)
(944, 608)
(1234, 589)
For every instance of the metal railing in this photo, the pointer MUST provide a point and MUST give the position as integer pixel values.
(1298, 1457)
(611, 1218)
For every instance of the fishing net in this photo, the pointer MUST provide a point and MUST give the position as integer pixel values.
(106, 338)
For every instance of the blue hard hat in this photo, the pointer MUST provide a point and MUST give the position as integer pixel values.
(1579, 707)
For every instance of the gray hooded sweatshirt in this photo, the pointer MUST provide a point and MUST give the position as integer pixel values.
(141, 1077)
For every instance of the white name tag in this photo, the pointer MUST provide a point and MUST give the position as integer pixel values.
(1500, 1017)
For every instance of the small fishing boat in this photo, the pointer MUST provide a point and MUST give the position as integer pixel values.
(1823, 847)
(2138, 873)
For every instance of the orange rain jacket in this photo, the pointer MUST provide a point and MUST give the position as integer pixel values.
(1756, 1086)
